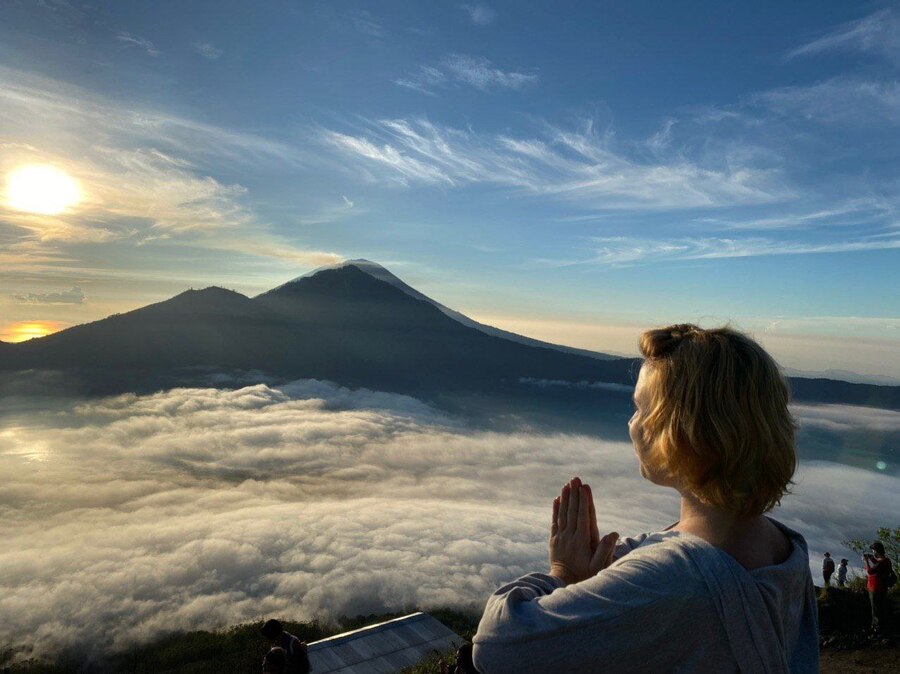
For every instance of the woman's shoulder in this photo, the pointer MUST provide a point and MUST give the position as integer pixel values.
(662, 557)
(674, 551)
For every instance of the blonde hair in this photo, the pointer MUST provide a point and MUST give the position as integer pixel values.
(717, 418)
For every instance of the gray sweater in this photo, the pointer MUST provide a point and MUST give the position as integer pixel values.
(670, 602)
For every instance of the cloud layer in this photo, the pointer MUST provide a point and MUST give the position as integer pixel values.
(133, 516)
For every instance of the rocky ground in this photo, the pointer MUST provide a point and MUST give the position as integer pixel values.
(877, 656)
(846, 645)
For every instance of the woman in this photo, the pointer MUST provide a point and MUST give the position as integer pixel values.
(724, 589)
(878, 581)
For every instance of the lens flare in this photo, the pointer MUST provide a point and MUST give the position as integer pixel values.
(41, 189)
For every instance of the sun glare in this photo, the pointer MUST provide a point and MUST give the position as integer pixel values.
(42, 189)
(24, 330)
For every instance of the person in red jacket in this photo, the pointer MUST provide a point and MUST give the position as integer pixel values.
(878, 569)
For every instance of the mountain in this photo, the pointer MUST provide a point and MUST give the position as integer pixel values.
(379, 272)
(356, 324)
(342, 324)
(845, 375)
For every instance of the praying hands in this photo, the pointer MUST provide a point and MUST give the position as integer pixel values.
(577, 551)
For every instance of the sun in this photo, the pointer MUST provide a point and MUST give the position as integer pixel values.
(42, 189)
(25, 330)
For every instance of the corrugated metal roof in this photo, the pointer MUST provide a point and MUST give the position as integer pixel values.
(383, 648)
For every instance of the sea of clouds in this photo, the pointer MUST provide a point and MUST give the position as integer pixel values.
(128, 517)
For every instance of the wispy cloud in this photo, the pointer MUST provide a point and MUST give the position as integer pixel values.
(626, 251)
(481, 73)
(364, 22)
(135, 41)
(577, 165)
(837, 100)
(74, 295)
(473, 71)
(425, 80)
(878, 33)
(481, 15)
(851, 213)
(207, 50)
(405, 169)
(331, 213)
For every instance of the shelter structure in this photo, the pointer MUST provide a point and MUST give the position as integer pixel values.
(382, 648)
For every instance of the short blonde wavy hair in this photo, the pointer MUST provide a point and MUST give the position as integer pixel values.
(717, 419)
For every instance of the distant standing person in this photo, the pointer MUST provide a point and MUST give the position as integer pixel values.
(881, 577)
(842, 573)
(296, 652)
(827, 568)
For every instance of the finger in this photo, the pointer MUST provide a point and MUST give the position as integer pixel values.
(554, 524)
(610, 548)
(564, 507)
(592, 512)
(574, 493)
(605, 551)
(584, 514)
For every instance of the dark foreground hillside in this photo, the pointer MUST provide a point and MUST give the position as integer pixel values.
(237, 649)
(843, 614)
(846, 645)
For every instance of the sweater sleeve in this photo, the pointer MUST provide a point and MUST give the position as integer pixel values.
(535, 624)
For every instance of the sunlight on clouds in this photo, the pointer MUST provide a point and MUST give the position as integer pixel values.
(25, 330)
(144, 174)
(43, 189)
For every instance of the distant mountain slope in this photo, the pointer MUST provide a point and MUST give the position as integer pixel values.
(355, 324)
(845, 375)
(377, 271)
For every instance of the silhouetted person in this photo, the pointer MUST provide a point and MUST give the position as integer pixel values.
(275, 661)
(842, 573)
(296, 652)
(879, 571)
(827, 568)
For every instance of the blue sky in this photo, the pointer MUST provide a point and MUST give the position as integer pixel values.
(573, 171)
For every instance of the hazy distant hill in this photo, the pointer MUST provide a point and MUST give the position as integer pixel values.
(355, 324)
